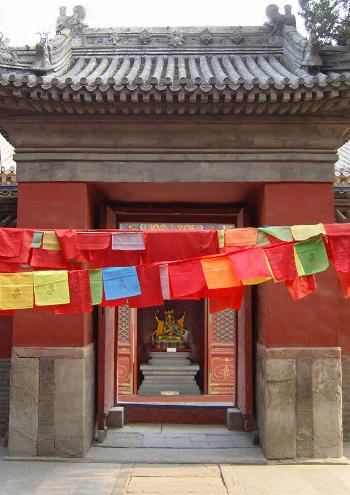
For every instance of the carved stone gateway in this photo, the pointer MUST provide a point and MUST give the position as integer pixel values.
(242, 116)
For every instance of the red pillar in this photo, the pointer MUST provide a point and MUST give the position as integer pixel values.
(298, 359)
(53, 205)
(313, 321)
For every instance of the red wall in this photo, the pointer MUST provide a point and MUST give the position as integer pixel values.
(50, 205)
(312, 321)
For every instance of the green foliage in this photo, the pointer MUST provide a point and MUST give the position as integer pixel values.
(327, 20)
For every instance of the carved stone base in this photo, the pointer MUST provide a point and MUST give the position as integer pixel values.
(169, 373)
(52, 401)
(299, 402)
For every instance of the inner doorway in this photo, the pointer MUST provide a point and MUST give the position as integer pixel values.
(210, 350)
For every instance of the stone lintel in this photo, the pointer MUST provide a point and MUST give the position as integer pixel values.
(53, 352)
(298, 352)
(174, 172)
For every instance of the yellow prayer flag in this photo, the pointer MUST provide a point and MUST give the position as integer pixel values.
(51, 242)
(221, 238)
(51, 287)
(299, 266)
(247, 236)
(303, 232)
(16, 290)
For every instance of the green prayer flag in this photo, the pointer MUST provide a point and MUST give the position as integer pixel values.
(37, 239)
(95, 279)
(312, 256)
(221, 238)
(263, 240)
(282, 233)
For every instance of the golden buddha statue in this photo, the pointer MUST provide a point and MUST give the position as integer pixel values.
(170, 331)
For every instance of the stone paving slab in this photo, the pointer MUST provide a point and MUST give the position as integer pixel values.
(185, 438)
(287, 480)
(142, 428)
(170, 443)
(168, 484)
(122, 439)
(251, 455)
(156, 470)
(50, 478)
(206, 429)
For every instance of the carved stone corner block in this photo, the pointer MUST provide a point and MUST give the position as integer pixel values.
(24, 405)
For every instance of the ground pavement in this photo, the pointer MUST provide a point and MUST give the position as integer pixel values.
(100, 474)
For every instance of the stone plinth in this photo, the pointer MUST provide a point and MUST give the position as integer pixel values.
(52, 401)
(169, 372)
(299, 402)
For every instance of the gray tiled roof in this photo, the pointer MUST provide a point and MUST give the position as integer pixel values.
(271, 67)
(174, 71)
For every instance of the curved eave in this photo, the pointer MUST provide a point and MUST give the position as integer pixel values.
(175, 99)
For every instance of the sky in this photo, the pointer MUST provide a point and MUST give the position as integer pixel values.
(22, 20)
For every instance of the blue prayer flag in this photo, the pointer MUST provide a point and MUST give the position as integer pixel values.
(120, 282)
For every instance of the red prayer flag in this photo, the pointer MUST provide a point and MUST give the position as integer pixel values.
(24, 251)
(151, 290)
(301, 286)
(186, 278)
(107, 258)
(79, 291)
(233, 300)
(10, 242)
(344, 278)
(69, 243)
(112, 302)
(250, 264)
(9, 267)
(93, 240)
(45, 258)
(340, 249)
(282, 261)
(337, 228)
(176, 245)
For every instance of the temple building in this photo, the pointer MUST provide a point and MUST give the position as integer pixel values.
(168, 129)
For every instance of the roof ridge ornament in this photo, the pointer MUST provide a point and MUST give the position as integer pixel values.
(312, 58)
(145, 36)
(7, 55)
(206, 36)
(277, 21)
(237, 37)
(73, 23)
(42, 53)
(175, 39)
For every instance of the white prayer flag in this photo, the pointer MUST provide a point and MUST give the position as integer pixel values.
(164, 281)
(128, 241)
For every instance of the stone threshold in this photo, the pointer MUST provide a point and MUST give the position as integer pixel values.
(178, 404)
(342, 461)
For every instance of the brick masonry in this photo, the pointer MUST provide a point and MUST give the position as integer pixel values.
(5, 365)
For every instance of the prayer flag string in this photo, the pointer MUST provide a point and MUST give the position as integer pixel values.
(69, 271)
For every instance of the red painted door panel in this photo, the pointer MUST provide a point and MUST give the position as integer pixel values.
(222, 331)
